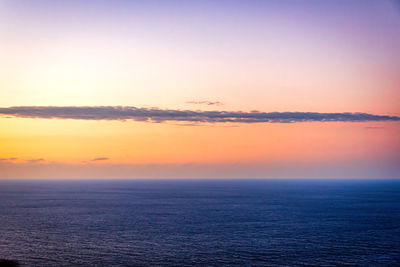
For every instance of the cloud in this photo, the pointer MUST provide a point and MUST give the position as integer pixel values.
(99, 159)
(8, 159)
(95, 159)
(35, 160)
(209, 103)
(123, 113)
(374, 127)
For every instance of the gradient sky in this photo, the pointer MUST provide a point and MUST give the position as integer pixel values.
(268, 56)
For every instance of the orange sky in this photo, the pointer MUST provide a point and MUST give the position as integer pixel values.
(256, 57)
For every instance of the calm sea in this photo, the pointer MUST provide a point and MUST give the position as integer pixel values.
(201, 222)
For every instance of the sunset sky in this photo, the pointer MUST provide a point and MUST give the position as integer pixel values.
(122, 89)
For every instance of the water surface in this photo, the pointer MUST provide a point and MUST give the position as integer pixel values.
(201, 222)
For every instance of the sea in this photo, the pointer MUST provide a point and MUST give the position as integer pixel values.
(247, 222)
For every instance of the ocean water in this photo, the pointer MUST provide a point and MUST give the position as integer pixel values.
(201, 222)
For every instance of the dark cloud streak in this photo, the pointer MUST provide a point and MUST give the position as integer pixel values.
(209, 103)
(99, 159)
(188, 116)
(8, 159)
(35, 160)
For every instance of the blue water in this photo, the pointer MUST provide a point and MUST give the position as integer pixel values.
(201, 222)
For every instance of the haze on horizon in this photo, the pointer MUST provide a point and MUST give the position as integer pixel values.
(233, 89)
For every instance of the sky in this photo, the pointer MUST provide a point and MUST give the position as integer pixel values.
(199, 89)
